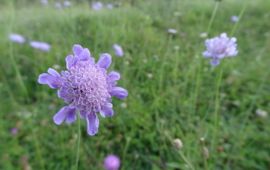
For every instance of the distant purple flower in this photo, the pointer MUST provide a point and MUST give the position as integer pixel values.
(234, 19)
(58, 5)
(118, 50)
(172, 31)
(97, 6)
(44, 2)
(14, 131)
(67, 4)
(17, 38)
(219, 47)
(109, 6)
(40, 45)
(86, 87)
(112, 162)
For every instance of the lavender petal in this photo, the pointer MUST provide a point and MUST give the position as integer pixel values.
(104, 61)
(119, 92)
(107, 110)
(92, 124)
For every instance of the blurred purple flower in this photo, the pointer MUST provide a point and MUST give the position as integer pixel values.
(118, 50)
(234, 19)
(58, 5)
(67, 4)
(109, 6)
(14, 131)
(44, 2)
(172, 31)
(219, 47)
(17, 38)
(85, 86)
(111, 162)
(40, 45)
(97, 6)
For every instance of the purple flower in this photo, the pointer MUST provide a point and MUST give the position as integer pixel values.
(67, 4)
(86, 87)
(40, 45)
(17, 38)
(58, 5)
(118, 50)
(109, 6)
(111, 162)
(44, 2)
(14, 131)
(219, 47)
(234, 19)
(97, 6)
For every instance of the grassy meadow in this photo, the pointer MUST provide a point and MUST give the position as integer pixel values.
(173, 90)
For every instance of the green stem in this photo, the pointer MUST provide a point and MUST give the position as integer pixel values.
(213, 17)
(78, 144)
(186, 160)
(240, 17)
(217, 106)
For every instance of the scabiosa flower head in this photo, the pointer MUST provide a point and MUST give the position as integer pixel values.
(40, 45)
(17, 38)
(86, 87)
(219, 47)
(111, 162)
(234, 19)
(118, 50)
(97, 6)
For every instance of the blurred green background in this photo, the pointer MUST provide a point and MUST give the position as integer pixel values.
(173, 91)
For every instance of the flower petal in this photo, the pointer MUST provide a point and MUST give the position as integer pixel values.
(84, 55)
(70, 61)
(60, 116)
(119, 92)
(107, 110)
(77, 49)
(65, 94)
(83, 114)
(92, 124)
(53, 82)
(214, 62)
(53, 72)
(71, 115)
(104, 61)
(113, 76)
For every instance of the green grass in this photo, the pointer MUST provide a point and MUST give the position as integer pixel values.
(182, 99)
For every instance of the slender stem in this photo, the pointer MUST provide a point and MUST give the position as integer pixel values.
(213, 16)
(240, 17)
(186, 160)
(126, 148)
(217, 106)
(13, 61)
(78, 143)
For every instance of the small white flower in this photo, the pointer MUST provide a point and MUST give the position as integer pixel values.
(150, 75)
(203, 35)
(261, 113)
(172, 31)
(123, 105)
(177, 143)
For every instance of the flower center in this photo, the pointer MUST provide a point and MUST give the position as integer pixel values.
(88, 87)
